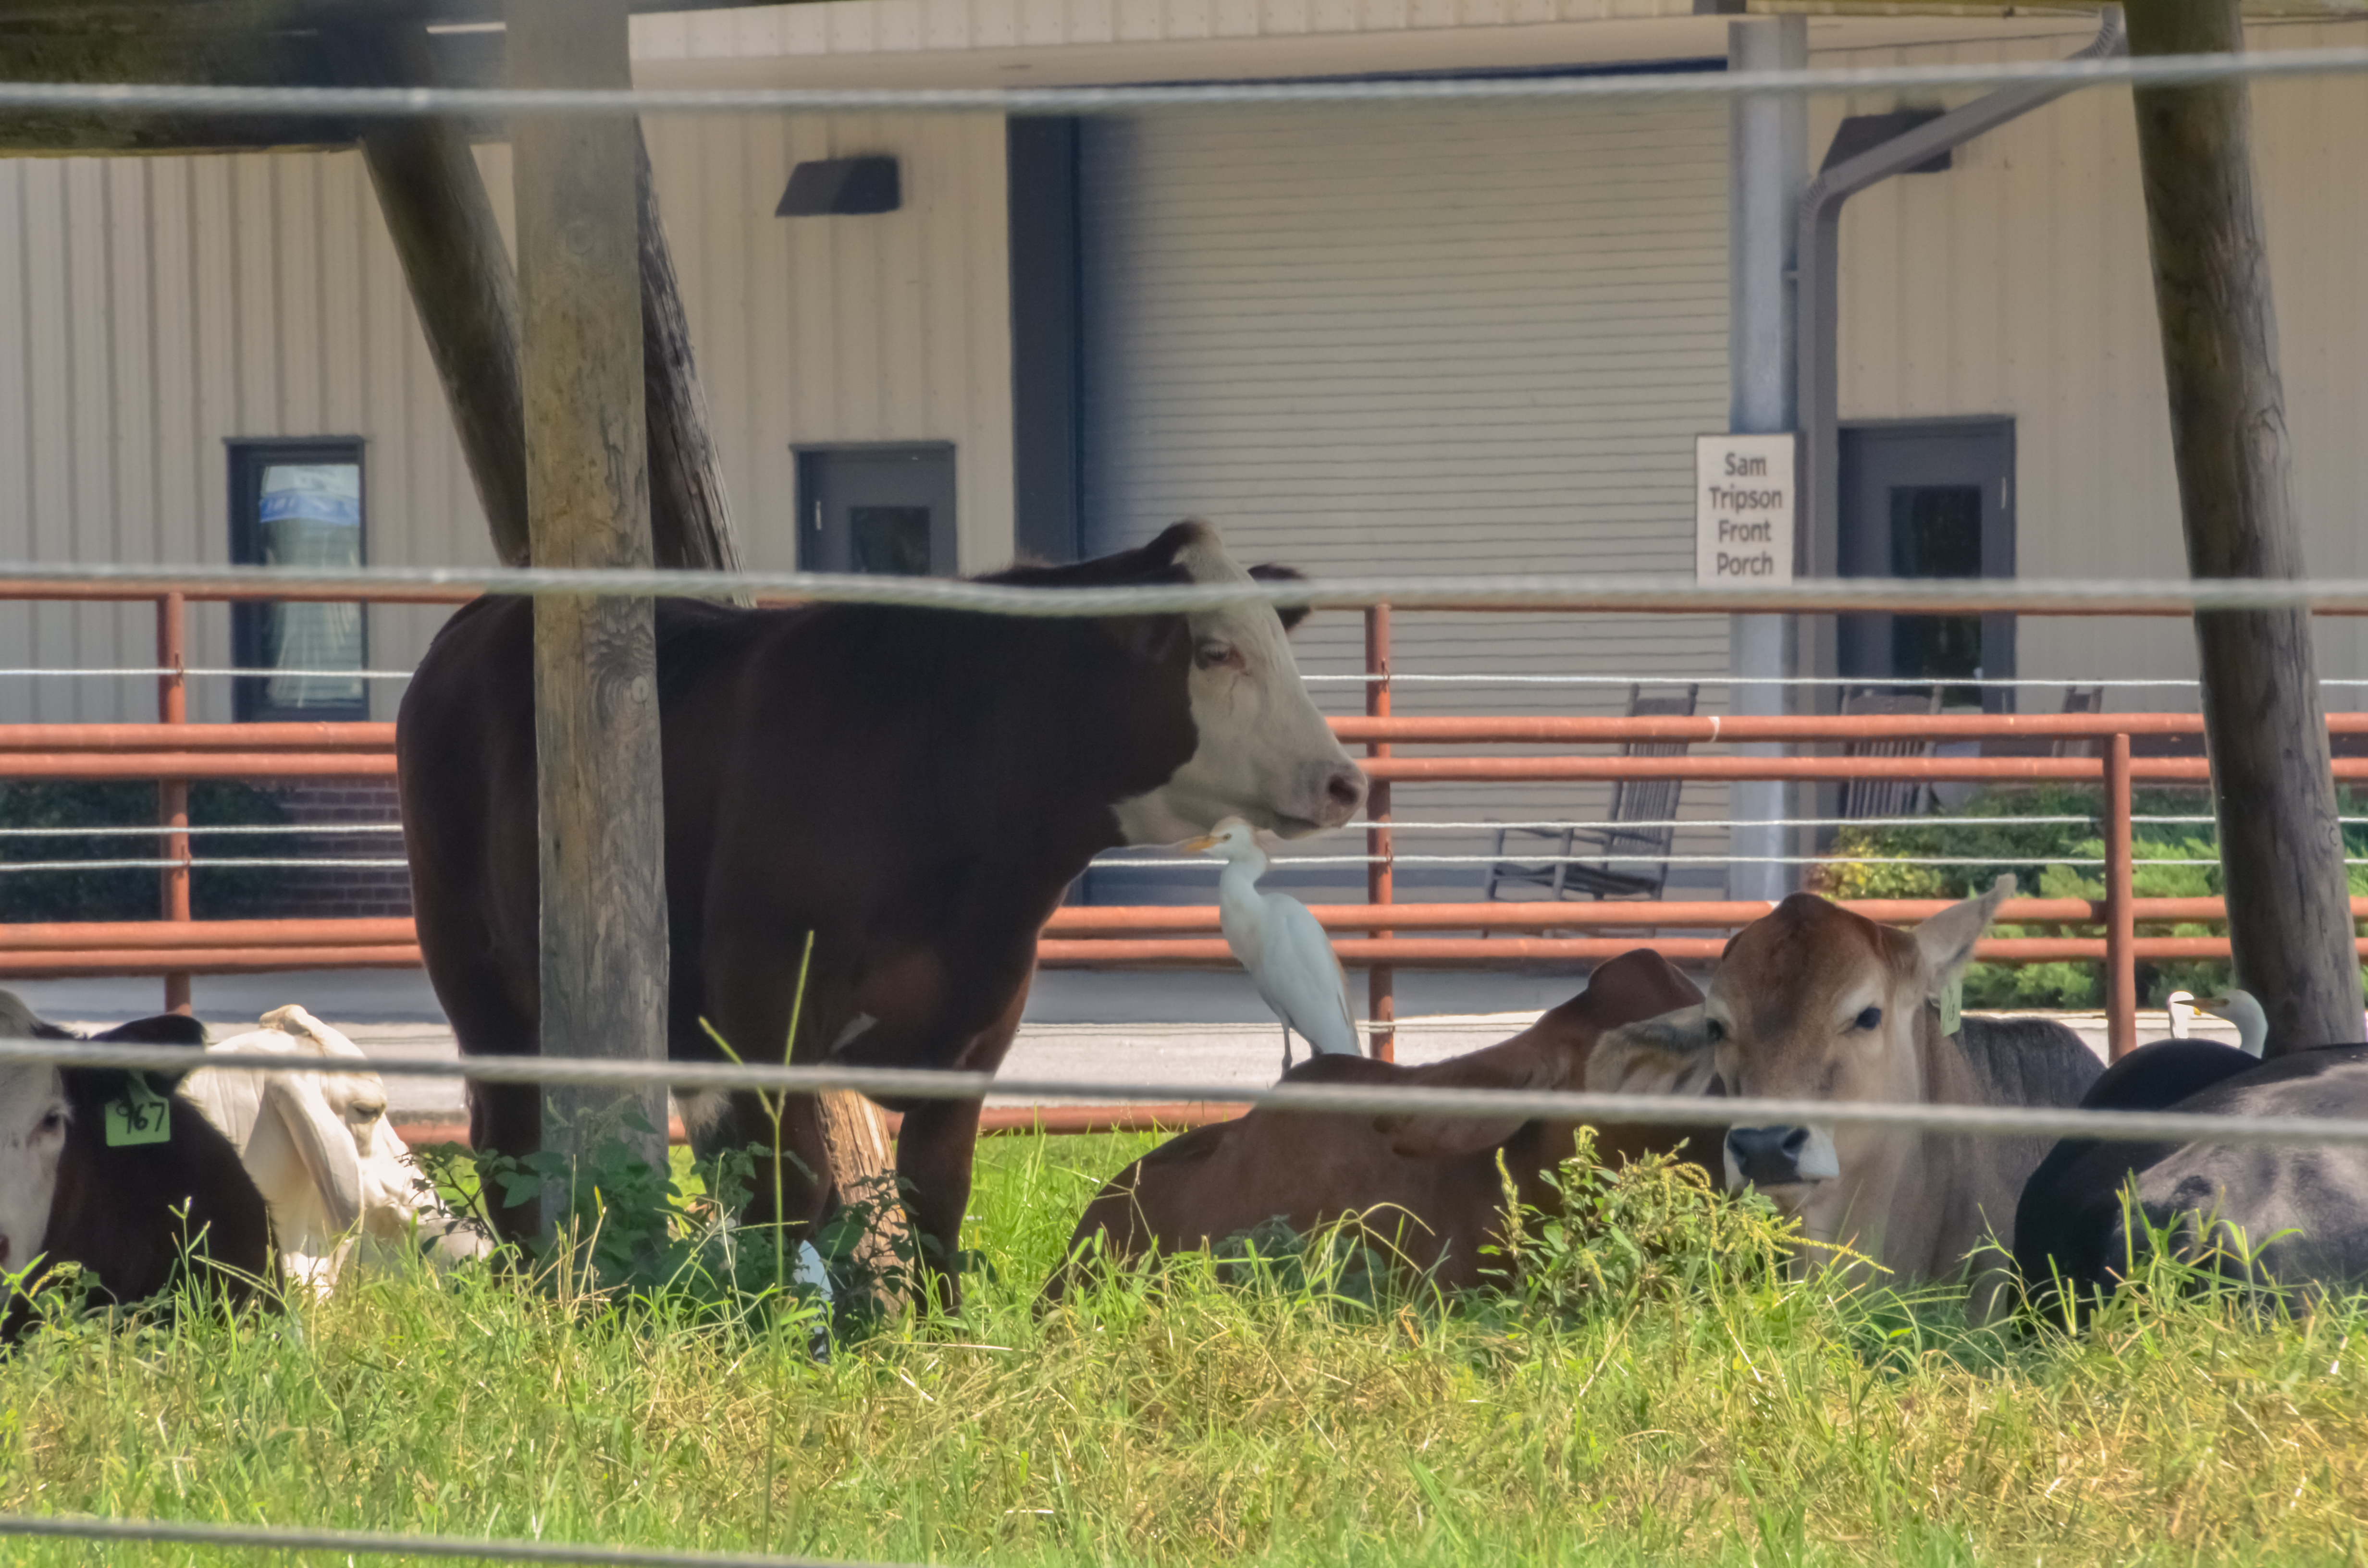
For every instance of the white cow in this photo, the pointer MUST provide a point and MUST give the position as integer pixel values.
(320, 1148)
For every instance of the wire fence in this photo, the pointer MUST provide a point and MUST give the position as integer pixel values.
(1374, 1099)
(2124, 597)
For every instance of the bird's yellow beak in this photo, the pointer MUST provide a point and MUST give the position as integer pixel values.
(1207, 841)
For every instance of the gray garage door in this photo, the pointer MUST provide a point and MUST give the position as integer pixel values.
(1437, 338)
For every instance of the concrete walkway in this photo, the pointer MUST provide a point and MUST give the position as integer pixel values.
(1191, 1026)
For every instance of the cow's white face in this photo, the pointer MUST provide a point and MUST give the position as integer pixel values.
(1264, 753)
(34, 1117)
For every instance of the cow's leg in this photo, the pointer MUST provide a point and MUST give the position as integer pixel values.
(504, 1118)
(934, 1149)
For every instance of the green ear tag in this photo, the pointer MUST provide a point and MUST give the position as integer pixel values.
(141, 1116)
(1952, 1005)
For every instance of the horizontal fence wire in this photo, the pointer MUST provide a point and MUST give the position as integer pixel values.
(2153, 71)
(382, 1543)
(1628, 592)
(893, 1083)
(272, 672)
(144, 830)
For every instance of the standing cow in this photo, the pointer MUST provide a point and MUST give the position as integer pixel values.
(917, 788)
(1814, 1002)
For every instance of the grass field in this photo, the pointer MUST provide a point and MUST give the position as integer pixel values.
(1674, 1411)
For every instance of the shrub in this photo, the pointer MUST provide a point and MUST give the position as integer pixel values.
(2036, 852)
(215, 893)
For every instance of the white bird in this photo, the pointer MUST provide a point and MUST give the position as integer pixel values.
(1289, 960)
(2244, 1010)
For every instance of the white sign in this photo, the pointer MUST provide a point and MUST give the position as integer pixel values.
(1743, 509)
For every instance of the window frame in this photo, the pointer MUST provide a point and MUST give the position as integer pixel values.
(249, 456)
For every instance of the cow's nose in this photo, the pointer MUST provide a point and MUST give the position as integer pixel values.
(1765, 1156)
(1344, 792)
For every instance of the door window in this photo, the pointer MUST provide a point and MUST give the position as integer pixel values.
(883, 510)
(299, 504)
(1929, 500)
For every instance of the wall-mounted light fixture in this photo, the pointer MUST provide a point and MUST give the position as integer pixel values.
(842, 187)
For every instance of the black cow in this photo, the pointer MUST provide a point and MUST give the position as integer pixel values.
(915, 788)
(2278, 1215)
(127, 1205)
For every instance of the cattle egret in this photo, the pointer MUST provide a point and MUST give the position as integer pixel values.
(1289, 961)
(2244, 1010)
(2181, 1006)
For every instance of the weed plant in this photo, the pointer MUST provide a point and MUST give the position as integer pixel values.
(1658, 1390)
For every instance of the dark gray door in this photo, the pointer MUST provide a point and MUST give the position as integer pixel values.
(888, 510)
(1928, 499)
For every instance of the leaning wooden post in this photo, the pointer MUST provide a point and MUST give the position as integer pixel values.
(463, 287)
(602, 865)
(2281, 849)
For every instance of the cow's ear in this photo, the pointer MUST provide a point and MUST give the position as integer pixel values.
(1272, 572)
(1668, 1055)
(1946, 941)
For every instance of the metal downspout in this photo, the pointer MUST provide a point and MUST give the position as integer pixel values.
(1818, 296)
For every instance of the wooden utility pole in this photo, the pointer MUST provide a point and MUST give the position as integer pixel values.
(2280, 847)
(602, 843)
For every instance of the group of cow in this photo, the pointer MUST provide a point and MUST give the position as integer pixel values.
(1811, 1003)
(907, 794)
(131, 1175)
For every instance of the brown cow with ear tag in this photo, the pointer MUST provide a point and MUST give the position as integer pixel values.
(1814, 1002)
(1427, 1185)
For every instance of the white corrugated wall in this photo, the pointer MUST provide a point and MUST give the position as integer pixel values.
(152, 308)
(1419, 338)
(2016, 283)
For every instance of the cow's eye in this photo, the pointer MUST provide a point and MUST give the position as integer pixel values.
(53, 1121)
(1214, 655)
(1715, 1031)
(1870, 1019)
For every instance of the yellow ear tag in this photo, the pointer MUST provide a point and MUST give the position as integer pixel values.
(1952, 1005)
(141, 1116)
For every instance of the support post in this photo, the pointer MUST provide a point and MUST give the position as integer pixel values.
(2120, 929)
(1768, 165)
(462, 286)
(173, 794)
(602, 852)
(1380, 880)
(2289, 926)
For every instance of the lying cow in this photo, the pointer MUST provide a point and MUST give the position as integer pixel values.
(914, 787)
(113, 1171)
(332, 1168)
(1813, 1002)
(1429, 1187)
(2286, 1215)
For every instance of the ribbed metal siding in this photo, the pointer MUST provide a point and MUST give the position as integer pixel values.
(1419, 338)
(152, 308)
(2016, 283)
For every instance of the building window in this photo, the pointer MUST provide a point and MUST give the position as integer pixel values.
(298, 504)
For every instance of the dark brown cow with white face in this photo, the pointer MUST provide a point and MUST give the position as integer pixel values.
(917, 788)
(129, 1215)
(1428, 1185)
(1814, 1002)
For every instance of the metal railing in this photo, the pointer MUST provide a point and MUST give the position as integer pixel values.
(1379, 935)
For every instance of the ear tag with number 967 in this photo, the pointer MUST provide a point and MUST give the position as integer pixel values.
(141, 1116)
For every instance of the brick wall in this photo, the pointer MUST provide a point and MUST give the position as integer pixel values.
(332, 893)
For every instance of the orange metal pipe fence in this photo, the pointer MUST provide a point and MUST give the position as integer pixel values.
(173, 752)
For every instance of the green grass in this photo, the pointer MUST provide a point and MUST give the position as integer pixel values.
(1665, 1408)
